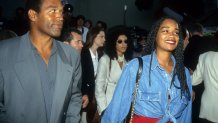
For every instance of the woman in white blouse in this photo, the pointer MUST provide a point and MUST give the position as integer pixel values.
(118, 50)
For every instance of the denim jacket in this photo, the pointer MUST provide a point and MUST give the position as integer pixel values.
(152, 100)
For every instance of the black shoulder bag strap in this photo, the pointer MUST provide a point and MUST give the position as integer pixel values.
(138, 76)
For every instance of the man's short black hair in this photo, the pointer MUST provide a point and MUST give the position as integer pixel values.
(80, 17)
(67, 36)
(34, 5)
(196, 27)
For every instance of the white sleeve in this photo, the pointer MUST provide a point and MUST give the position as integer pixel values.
(197, 76)
(100, 83)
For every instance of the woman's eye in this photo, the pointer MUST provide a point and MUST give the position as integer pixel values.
(176, 33)
(53, 11)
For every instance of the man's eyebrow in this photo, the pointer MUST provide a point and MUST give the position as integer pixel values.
(52, 6)
(167, 27)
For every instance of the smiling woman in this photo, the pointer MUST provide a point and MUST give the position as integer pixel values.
(164, 93)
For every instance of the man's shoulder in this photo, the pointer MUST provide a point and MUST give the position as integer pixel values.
(209, 55)
(5, 44)
(10, 41)
(66, 47)
(105, 57)
(68, 50)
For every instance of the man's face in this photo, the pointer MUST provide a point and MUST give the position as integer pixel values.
(76, 42)
(80, 22)
(49, 19)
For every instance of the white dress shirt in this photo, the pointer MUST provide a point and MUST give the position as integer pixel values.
(84, 31)
(94, 60)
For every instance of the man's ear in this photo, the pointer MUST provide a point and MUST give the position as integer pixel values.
(32, 15)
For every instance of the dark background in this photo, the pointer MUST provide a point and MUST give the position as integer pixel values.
(203, 11)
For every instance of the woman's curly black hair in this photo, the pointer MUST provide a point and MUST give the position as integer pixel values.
(177, 53)
(111, 39)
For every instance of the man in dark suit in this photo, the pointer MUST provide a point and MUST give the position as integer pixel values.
(40, 77)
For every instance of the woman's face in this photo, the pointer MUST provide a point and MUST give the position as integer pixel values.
(168, 36)
(100, 39)
(121, 44)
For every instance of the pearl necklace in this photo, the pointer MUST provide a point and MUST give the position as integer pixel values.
(120, 58)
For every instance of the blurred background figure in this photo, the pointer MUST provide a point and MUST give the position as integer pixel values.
(139, 46)
(69, 19)
(6, 34)
(80, 19)
(88, 24)
(19, 23)
(186, 36)
(101, 24)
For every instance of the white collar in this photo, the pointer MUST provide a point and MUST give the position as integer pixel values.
(93, 55)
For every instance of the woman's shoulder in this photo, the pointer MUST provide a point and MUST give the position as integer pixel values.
(105, 57)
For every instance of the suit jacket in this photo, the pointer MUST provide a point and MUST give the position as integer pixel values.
(197, 45)
(21, 96)
(206, 71)
(88, 77)
(108, 74)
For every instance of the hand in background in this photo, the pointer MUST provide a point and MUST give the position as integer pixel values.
(191, 71)
(85, 101)
(193, 96)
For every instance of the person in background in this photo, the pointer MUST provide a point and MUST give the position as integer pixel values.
(206, 71)
(101, 24)
(40, 77)
(19, 24)
(73, 37)
(80, 19)
(198, 44)
(90, 55)
(88, 24)
(186, 36)
(6, 34)
(69, 19)
(139, 46)
(164, 91)
(118, 52)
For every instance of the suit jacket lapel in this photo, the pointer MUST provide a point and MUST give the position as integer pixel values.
(27, 72)
(25, 66)
(63, 79)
